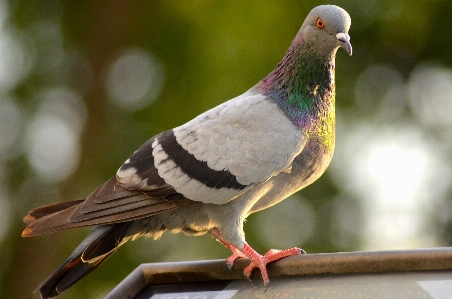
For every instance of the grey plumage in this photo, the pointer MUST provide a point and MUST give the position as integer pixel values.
(209, 174)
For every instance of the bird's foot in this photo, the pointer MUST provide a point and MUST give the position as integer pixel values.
(235, 252)
(235, 255)
(261, 261)
(257, 260)
(271, 256)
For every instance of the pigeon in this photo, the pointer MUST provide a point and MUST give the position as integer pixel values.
(209, 174)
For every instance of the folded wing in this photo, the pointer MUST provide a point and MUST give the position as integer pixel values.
(110, 203)
(220, 154)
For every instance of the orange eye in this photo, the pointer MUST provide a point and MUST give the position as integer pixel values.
(319, 23)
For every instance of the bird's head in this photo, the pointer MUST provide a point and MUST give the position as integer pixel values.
(326, 29)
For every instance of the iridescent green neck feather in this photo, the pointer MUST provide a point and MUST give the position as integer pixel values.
(302, 85)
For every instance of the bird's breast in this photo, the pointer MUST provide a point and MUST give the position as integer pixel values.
(305, 169)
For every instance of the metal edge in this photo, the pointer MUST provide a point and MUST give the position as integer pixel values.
(130, 286)
(302, 265)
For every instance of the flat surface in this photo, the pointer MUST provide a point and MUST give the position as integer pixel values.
(421, 273)
(425, 285)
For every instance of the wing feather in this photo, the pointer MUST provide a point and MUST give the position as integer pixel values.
(50, 209)
(241, 134)
(110, 203)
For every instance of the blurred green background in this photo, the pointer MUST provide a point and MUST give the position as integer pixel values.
(84, 83)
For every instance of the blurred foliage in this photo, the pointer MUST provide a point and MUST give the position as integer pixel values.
(210, 51)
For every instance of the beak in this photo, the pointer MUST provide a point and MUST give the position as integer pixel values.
(344, 40)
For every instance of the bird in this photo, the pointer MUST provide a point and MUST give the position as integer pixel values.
(207, 175)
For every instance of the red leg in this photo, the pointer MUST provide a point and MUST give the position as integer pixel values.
(235, 252)
(257, 260)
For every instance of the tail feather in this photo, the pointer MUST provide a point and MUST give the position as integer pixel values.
(92, 251)
(50, 209)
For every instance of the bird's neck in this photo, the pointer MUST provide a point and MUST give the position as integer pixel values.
(302, 85)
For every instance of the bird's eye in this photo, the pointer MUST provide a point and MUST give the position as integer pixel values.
(319, 23)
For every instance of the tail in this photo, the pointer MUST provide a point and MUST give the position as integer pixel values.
(96, 248)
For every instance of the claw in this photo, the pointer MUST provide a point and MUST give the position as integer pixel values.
(229, 266)
(235, 255)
